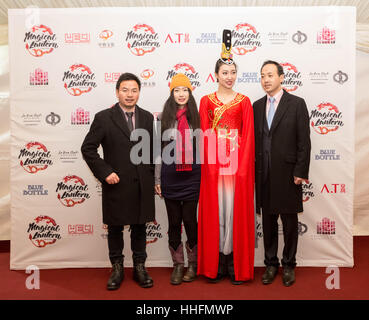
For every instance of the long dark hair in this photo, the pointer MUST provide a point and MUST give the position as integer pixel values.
(168, 116)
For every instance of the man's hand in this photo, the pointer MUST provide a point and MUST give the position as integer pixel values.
(298, 180)
(112, 178)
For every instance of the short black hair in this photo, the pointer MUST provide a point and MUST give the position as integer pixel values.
(279, 67)
(128, 76)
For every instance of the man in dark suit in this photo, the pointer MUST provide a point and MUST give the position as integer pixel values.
(127, 187)
(282, 147)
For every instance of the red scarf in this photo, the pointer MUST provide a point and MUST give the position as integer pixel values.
(183, 153)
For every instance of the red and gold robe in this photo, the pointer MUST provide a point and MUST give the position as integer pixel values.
(214, 115)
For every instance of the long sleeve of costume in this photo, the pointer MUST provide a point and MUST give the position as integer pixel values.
(244, 198)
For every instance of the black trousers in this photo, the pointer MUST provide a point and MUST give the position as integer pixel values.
(270, 233)
(179, 211)
(138, 243)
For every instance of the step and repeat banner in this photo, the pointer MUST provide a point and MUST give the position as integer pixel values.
(64, 64)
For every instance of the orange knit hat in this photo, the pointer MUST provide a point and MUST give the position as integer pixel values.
(180, 80)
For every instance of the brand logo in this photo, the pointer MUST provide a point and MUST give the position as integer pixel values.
(210, 78)
(40, 40)
(79, 79)
(142, 40)
(327, 154)
(326, 226)
(277, 38)
(76, 37)
(333, 188)
(31, 119)
(326, 36)
(72, 191)
(319, 77)
(34, 157)
(302, 228)
(340, 77)
(326, 118)
(111, 77)
(43, 231)
(145, 76)
(80, 117)
(207, 38)
(35, 190)
(249, 77)
(299, 37)
(153, 232)
(178, 38)
(105, 39)
(246, 39)
(188, 70)
(68, 156)
(80, 229)
(38, 78)
(292, 77)
(52, 119)
(307, 191)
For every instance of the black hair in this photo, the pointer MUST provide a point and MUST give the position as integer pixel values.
(220, 62)
(168, 116)
(279, 67)
(128, 76)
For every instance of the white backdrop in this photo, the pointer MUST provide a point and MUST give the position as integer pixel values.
(93, 46)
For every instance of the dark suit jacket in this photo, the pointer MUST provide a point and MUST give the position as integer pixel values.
(290, 152)
(131, 201)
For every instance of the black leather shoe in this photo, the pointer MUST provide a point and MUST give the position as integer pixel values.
(288, 276)
(141, 276)
(269, 274)
(116, 276)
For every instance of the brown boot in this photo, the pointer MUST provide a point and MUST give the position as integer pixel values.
(178, 263)
(192, 263)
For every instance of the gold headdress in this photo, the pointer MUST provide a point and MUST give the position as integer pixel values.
(226, 55)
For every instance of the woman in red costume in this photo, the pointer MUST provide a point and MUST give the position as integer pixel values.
(226, 221)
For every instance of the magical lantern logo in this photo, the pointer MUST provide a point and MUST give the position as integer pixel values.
(153, 232)
(142, 40)
(34, 157)
(326, 118)
(292, 77)
(43, 231)
(40, 40)
(188, 70)
(79, 79)
(245, 39)
(72, 190)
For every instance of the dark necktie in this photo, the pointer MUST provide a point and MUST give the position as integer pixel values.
(130, 123)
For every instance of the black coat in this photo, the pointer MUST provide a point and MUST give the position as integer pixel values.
(290, 152)
(132, 200)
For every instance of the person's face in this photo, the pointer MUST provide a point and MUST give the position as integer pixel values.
(128, 93)
(181, 95)
(270, 80)
(227, 75)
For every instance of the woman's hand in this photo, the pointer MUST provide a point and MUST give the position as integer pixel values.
(158, 190)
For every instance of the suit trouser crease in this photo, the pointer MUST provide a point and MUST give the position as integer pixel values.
(270, 232)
